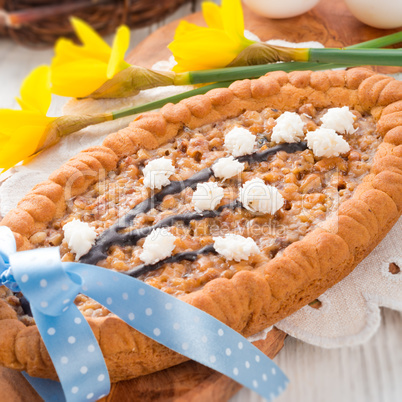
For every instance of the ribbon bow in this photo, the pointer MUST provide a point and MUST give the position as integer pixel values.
(51, 287)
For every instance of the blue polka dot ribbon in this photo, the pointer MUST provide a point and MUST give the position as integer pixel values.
(51, 287)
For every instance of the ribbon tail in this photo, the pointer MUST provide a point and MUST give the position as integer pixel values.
(182, 328)
(48, 390)
(75, 353)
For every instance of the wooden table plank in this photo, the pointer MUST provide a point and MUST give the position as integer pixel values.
(15, 388)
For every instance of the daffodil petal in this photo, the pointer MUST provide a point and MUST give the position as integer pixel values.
(66, 51)
(89, 37)
(35, 90)
(232, 18)
(3, 139)
(23, 105)
(184, 28)
(203, 38)
(185, 65)
(211, 48)
(12, 120)
(212, 15)
(23, 144)
(121, 43)
(78, 78)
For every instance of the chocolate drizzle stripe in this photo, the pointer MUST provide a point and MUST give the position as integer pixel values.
(137, 234)
(111, 236)
(187, 255)
(174, 187)
(289, 148)
(24, 303)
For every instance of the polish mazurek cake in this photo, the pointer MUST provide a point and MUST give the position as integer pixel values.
(247, 202)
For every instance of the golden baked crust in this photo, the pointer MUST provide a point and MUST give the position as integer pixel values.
(251, 300)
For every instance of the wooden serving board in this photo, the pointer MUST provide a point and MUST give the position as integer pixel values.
(186, 382)
(329, 23)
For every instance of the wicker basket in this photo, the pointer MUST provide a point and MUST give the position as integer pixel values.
(41, 22)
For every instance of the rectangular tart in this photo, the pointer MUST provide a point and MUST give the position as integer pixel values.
(335, 210)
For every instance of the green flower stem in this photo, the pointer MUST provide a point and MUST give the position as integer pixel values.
(358, 57)
(171, 99)
(243, 72)
(341, 58)
(384, 41)
(182, 79)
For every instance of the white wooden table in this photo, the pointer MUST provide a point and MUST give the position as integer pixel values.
(367, 373)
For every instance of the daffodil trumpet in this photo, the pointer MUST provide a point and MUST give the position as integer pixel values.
(261, 59)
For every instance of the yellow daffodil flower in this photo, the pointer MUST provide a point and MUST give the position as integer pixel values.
(215, 46)
(21, 131)
(26, 132)
(78, 70)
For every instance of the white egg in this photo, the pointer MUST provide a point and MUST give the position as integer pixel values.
(280, 8)
(385, 14)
